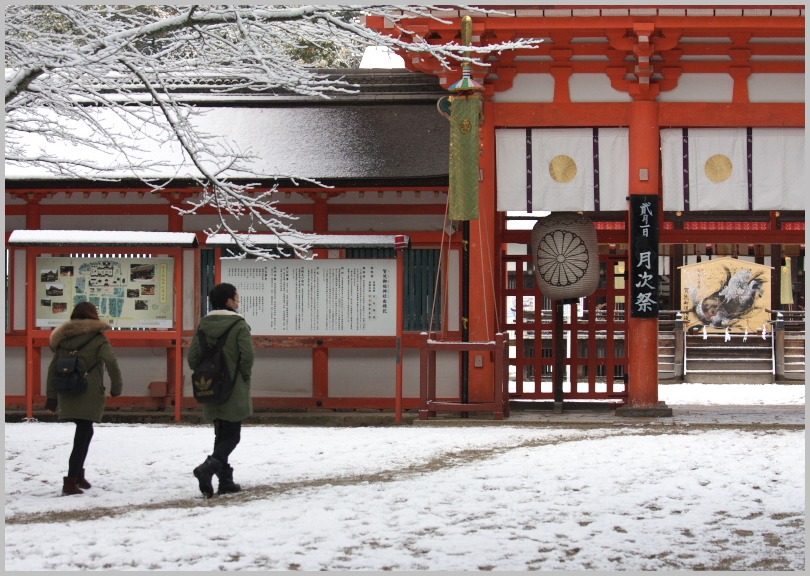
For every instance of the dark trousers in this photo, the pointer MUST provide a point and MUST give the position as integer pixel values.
(226, 437)
(81, 444)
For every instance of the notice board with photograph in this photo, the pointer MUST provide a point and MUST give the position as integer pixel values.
(128, 292)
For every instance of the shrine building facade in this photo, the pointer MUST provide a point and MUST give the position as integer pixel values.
(698, 111)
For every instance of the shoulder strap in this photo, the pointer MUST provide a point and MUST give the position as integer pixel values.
(221, 339)
(76, 351)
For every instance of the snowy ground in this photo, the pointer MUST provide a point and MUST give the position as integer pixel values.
(414, 498)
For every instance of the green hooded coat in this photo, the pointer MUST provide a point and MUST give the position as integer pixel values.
(89, 405)
(238, 352)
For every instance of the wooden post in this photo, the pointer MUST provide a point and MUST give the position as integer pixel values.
(400, 320)
(558, 351)
(177, 349)
(32, 354)
(482, 272)
(642, 333)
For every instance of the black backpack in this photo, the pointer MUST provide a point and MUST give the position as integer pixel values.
(70, 376)
(211, 380)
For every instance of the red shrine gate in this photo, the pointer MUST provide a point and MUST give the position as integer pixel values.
(584, 339)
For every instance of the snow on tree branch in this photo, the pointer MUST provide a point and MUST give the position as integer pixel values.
(93, 91)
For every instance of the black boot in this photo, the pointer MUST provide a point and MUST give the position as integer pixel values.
(69, 486)
(82, 482)
(204, 472)
(226, 483)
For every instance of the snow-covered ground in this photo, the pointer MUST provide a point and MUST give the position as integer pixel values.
(418, 497)
(731, 394)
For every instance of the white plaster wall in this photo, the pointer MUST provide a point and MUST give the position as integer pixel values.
(690, 88)
(405, 198)
(362, 372)
(139, 367)
(62, 198)
(14, 222)
(384, 223)
(453, 312)
(282, 372)
(276, 372)
(700, 88)
(594, 88)
(18, 313)
(776, 88)
(15, 371)
(106, 222)
(528, 88)
(196, 222)
(372, 373)
(190, 291)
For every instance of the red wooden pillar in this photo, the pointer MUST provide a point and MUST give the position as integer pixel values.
(174, 363)
(33, 355)
(642, 333)
(400, 321)
(320, 354)
(483, 259)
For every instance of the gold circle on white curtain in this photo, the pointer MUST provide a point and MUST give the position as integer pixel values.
(562, 168)
(718, 168)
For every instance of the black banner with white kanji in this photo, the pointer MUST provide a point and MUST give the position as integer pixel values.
(644, 284)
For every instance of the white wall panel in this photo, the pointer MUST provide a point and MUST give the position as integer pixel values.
(700, 88)
(528, 88)
(776, 88)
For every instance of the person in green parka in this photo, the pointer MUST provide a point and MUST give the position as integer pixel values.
(227, 417)
(83, 332)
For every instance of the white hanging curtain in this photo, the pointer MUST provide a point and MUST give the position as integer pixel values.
(732, 168)
(705, 169)
(562, 169)
(778, 169)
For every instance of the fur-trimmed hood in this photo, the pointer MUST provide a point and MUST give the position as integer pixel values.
(73, 328)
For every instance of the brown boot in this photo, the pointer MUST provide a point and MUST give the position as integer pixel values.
(69, 486)
(82, 482)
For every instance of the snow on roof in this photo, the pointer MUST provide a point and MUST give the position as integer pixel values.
(314, 240)
(381, 57)
(100, 238)
(348, 141)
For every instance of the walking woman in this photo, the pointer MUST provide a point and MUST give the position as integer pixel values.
(227, 416)
(83, 332)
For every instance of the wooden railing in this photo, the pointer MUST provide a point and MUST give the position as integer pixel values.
(429, 404)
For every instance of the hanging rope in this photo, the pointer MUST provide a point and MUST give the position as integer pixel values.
(442, 256)
(484, 240)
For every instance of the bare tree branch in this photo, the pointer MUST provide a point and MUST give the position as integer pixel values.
(101, 82)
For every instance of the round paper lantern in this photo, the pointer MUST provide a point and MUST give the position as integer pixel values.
(566, 256)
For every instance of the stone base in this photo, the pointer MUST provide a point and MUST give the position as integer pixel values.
(661, 410)
(558, 407)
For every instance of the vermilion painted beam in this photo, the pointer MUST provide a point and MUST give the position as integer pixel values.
(770, 114)
(685, 236)
(302, 403)
(669, 114)
(688, 67)
(541, 114)
(136, 209)
(711, 26)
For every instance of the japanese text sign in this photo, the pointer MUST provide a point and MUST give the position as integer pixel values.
(643, 279)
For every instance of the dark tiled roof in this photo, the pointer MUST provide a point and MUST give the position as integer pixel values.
(390, 131)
